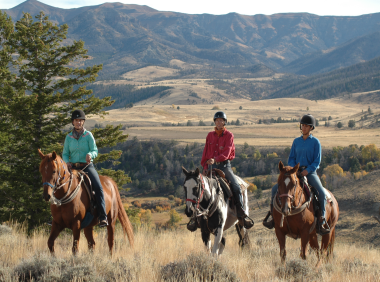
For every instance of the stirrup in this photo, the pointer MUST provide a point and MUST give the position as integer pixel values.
(103, 223)
(322, 230)
(268, 224)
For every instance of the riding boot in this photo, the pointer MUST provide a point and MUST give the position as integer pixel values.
(323, 226)
(101, 207)
(244, 219)
(269, 224)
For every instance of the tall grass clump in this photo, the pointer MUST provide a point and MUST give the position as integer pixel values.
(197, 267)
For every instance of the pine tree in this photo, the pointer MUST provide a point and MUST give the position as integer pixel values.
(39, 90)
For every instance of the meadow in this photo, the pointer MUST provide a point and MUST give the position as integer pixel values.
(175, 255)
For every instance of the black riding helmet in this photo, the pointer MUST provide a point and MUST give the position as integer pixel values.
(78, 114)
(220, 115)
(309, 120)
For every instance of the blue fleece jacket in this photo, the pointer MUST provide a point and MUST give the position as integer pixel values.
(306, 152)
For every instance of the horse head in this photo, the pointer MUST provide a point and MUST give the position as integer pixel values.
(192, 189)
(287, 186)
(53, 170)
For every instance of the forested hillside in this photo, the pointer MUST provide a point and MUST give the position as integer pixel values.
(361, 77)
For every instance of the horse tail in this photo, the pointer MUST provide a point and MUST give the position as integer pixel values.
(331, 245)
(123, 218)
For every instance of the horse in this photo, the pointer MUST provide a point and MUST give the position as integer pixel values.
(205, 200)
(296, 207)
(70, 203)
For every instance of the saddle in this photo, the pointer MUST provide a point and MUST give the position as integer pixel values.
(88, 186)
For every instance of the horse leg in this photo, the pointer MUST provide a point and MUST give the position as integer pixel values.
(281, 240)
(313, 241)
(243, 236)
(111, 235)
(222, 245)
(304, 242)
(76, 235)
(206, 240)
(217, 240)
(89, 233)
(55, 230)
(327, 245)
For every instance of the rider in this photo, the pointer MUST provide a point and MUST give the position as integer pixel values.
(78, 152)
(219, 150)
(306, 150)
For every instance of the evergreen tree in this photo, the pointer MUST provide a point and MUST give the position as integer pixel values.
(39, 90)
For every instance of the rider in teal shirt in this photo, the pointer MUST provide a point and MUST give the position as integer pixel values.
(79, 151)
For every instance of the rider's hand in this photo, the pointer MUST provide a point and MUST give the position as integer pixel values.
(69, 165)
(210, 162)
(205, 172)
(88, 158)
(304, 172)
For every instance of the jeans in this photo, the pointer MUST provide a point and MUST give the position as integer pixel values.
(230, 176)
(97, 187)
(313, 180)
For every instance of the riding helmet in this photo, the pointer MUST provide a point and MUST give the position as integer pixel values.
(220, 115)
(309, 120)
(78, 114)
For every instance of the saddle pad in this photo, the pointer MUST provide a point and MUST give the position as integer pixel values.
(328, 195)
(244, 185)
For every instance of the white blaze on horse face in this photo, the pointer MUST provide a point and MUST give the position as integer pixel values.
(189, 185)
(287, 180)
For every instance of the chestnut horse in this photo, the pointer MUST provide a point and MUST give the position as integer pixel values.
(69, 203)
(292, 204)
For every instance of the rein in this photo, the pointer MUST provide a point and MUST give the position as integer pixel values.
(211, 208)
(67, 198)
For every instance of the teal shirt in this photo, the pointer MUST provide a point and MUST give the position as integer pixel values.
(75, 151)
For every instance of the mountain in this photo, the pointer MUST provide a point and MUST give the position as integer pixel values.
(355, 51)
(125, 37)
(360, 77)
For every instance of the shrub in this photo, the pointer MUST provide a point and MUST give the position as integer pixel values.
(215, 108)
(171, 197)
(5, 230)
(252, 187)
(174, 219)
(297, 270)
(137, 204)
(351, 123)
(197, 267)
(44, 267)
(339, 125)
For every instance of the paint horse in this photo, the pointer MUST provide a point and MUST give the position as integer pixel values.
(70, 203)
(206, 202)
(296, 208)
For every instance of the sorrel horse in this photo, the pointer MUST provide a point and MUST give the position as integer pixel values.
(70, 202)
(292, 204)
(206, 202)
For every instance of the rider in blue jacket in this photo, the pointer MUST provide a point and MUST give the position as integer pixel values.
(306, 150)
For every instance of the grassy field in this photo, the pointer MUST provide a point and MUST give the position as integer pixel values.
(176, 255)
(145, 121)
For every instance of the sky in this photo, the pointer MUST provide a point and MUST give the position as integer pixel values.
(245, 7)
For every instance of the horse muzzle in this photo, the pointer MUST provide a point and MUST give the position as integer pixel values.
(188, 212)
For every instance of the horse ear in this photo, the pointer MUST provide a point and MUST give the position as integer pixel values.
(197, 171)
(295, 169)
(280, 166)
(42, 156)
(54, 155)
(185, 171)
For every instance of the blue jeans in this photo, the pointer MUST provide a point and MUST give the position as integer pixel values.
(230, 176)
(97, 187)
(313, 180)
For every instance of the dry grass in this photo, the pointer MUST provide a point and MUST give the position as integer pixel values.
(159, 253)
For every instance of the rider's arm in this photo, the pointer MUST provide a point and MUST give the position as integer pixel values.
(228, 147)
(317, 155)
(66, 151)
(204, 156)
(92, 145)
(292, 157)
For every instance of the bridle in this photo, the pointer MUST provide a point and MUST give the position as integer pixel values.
(55, 187)
(201, 188)
(290, 196)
